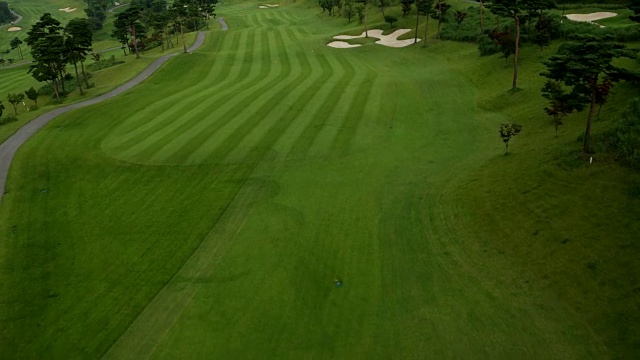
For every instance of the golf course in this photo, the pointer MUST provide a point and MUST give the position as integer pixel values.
(209, 211)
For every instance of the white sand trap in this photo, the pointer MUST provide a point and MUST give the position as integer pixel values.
(590, 18)
(14, 28)
(390, 40)
(68, 9)
(342, 45)
(267, 6)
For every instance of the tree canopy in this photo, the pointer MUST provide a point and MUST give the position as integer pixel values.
(585, 66)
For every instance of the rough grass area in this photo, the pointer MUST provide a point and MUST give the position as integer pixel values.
(207, 212)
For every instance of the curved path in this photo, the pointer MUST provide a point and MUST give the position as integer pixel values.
(9, 148)
(17, 20)
(223, 24)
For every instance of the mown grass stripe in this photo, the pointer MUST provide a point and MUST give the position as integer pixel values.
(197, 131)
(344, 73)
(306, 105)
(337, 117)
(354, 116)
(238, 129)
(273, 115)
(131, 138)
(196, 114)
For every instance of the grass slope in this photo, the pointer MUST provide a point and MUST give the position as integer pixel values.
(207, 212)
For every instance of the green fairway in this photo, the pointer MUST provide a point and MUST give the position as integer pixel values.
(207, 212)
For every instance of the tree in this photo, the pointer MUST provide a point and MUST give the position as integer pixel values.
(481, 2)
(440, 13)
(15, 43)
(349, 10)
(32, 94)
(358, 7)
(128, 22)
(78, 42)
(1, 108)
(635, 7)
(180, 13)
(516, 10)
(507, 131)
(459, 16)
(543, 31)
(97, 12)
(15, 99)
(49, 54)
(585, 65)
(505, 41)
(366, 16)
(390, 19)
(5, 13)
(424, 7)
(406, 7)
(560, 103)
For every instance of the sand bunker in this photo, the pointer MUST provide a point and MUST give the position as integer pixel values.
(14, 28)
(68, 9)
(590, 18)
(342, 45)
(266, 6)
(390, 40)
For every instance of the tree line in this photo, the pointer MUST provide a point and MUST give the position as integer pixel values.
(155, 21)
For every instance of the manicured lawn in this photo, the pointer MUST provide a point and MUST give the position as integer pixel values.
(207, 212)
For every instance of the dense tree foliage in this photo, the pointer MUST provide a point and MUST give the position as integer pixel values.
(78, 40)
(585, 66)
(518, 10)
(49, 53)
(32, 94)
(5, 13)
(97, 12)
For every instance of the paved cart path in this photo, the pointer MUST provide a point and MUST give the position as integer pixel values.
(9, 148)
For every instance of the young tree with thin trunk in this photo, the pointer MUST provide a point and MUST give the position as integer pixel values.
(15, 43)
(406, 7)
(507, 131)
(481, 16)
(585, 65)
(439, 13)
(423, 7)
(516, 10)
(78, 40)
(15, 99)
(180, 13)
(129, 21)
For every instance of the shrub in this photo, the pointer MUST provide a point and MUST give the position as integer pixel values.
(622, 140)
(103, 63)
(8, 119)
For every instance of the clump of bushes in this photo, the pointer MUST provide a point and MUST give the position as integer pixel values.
(102, 63)
(622, 141)
(8, 119)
